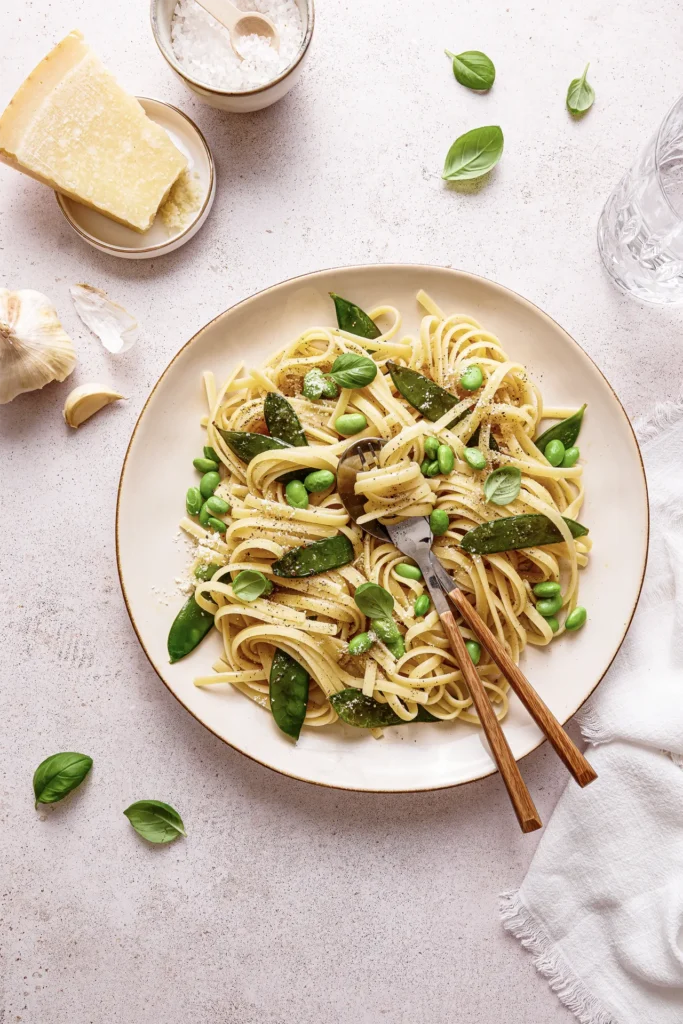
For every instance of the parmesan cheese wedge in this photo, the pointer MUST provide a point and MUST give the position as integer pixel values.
(74, 128)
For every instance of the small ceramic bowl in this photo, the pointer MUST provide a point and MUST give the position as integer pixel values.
(116, 239)
(161, 12)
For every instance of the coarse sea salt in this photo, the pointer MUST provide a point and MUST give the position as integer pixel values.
(202, 45)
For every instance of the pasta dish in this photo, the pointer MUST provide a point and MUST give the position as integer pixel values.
(320, 620)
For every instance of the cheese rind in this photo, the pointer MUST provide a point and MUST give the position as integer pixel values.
(71, 126)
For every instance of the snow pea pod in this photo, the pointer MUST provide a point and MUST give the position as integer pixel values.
(353, 319)
(354, 708)
(281, 420)
(516, 532)
(288, 693)
(188, 629)
(565, 431)
(429, 398)
(474, 440)
(312, 559)
(247, 446)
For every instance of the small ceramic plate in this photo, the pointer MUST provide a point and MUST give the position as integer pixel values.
(116, 239)
(159, 462)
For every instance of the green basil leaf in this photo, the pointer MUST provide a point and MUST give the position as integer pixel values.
(155, 821)
(374, 601)
(580, 95)
(56, 776)
(473, 69)
(249, 584)
(352, 371)
(503, 485)
(474, 153)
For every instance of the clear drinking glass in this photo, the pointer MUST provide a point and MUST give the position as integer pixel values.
(640, 231)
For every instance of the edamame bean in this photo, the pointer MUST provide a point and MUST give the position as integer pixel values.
(205, 572)
(208, 484)
(571, 457)
(193, 501)
(296, 494)
(576, 619)
(549, 606)
(217, 505)
(408, 572)
(472, 378)
(421, 606)
(424, 466)
(204, 515)
(475, 458)
(431, 447)
(320, 480)
(397, 647)
(554, 452)
(474, 650)
(350, 423)
(360, 644)
(432, 469)
(205, 465)
(445, 458)
(211, 453)
(547, 589)
(553, 623)
(385, 630)
(439, 522)
(217, 524)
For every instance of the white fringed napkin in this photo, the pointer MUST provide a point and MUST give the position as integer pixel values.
(601, 908)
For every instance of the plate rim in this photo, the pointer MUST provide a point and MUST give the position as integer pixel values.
(386, 267)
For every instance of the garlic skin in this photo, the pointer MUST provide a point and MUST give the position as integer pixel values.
(86, 400)
(113, 325)
(34, 348)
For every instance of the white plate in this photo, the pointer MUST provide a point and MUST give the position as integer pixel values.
(116, 239)
(159, 462)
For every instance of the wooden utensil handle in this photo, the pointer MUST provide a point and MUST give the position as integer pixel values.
(527, 815)
(577, 764)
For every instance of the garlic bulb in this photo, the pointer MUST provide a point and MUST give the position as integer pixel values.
(86, 400)
(34, 349)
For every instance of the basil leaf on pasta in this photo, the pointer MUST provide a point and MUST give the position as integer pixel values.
(353, 371)
(374, 601)
(250, 584)
(503, 485)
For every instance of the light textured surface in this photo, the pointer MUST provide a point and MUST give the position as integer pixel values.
(286, 902)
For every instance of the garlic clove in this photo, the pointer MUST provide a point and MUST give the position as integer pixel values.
(34, 348)
(113, 325)
(86, 400)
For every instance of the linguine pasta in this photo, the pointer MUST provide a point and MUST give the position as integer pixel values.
(313, 619)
